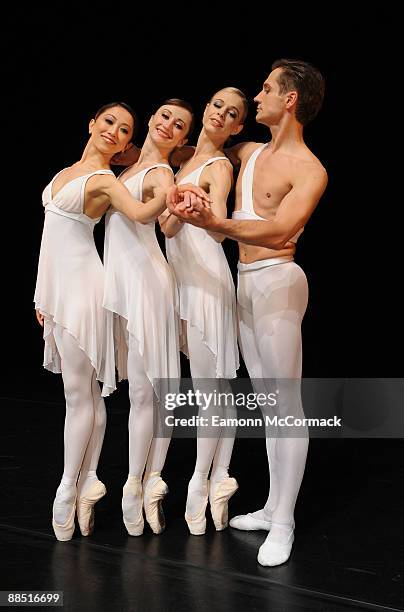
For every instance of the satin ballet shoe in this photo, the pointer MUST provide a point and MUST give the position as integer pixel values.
(197, 524)
(64, 532)
(271, 554)
(247, 522)
(219, 495)
(85, 506)
(134, 488)
(153, 503)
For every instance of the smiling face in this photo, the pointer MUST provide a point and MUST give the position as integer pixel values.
(271, 104)
(112, 130)
(169, 126)
(224, 114)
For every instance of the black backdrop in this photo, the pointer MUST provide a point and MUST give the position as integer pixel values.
(59, 66)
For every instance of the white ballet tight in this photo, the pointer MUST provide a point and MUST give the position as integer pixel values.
(84, 423)
(146, 453)
(216, 448)
(272, 302)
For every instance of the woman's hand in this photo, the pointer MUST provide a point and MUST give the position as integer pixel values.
(39, 317)
(186, 193)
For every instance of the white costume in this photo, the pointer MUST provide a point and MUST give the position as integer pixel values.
(208, 313)
(272, 299)
(206, 291)
(69, 293)
(139, 298)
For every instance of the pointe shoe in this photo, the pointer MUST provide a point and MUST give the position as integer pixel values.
(153, 504)
(85, 507)
(271, 554)
(219, 495)
(197, 524)
(64, 532)
(247, 522)
(136, 527)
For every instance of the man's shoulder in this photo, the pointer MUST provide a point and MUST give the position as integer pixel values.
(311, 163)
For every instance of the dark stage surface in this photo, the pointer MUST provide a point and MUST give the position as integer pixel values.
(348, 552)
(59, 67)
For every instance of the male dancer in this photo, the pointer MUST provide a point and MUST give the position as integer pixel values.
(279, 186)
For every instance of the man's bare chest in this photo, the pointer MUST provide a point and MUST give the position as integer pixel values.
(268, 182)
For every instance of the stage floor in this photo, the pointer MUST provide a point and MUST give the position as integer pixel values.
(348, 552)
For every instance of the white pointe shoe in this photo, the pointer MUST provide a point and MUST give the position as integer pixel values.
(85, 506)
(219, 495)
(271, 554)
(197, 524)
(153, 496)
(64, 532)
(133, 487)
(247, 522)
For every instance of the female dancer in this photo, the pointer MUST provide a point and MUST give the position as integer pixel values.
(207, 299)
(140, 298)
(68, 301)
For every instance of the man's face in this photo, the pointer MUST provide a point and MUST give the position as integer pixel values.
(270, 103)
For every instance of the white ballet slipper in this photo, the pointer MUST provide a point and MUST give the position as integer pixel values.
(271, 554)
(247, 522)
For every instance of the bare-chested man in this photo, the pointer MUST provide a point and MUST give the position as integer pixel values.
(279, 186)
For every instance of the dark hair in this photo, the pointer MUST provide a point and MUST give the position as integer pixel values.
(182, 104)
(241, 95)
(307, 81)
(122, 105)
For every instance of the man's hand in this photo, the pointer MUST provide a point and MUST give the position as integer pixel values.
(195, 211)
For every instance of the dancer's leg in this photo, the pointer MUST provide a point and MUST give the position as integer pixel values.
(88, 472)
(203, 371)
(279, 304)
(77, 373)
(140, 429)
(258, 519)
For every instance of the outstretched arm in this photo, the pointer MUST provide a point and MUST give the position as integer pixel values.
(294, 211)
(190, 195)
(220, 179)
(143, 212)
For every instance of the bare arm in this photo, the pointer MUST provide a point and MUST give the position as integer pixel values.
(122, 200)
(220, 181)
(237, 152)
(179, 156)
(170, 224)
(219, 178)
(128, 158)
(143, 212)
(294, 211)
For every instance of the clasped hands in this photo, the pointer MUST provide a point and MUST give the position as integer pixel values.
(191, 204)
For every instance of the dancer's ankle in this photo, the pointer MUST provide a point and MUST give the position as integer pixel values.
(85, 481)
(150, 478)
(198, 480)
(262, 515)
(218, 474)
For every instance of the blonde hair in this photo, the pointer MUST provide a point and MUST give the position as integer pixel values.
(241, 95)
